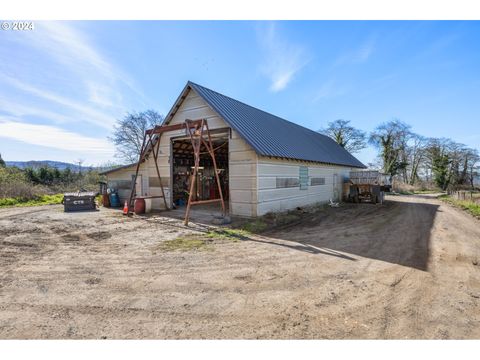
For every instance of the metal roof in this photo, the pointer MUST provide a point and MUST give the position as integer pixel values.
(108, 171)
(271, 135)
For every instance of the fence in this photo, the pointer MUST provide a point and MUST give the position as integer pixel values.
(465, 195)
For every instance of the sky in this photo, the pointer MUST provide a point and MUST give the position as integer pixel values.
(63, 85)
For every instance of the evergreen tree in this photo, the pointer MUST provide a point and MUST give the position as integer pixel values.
(440, 170)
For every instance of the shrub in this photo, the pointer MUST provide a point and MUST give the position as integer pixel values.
(34, 186)
(36, 200)
(14, 184)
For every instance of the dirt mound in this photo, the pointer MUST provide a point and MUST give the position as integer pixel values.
(100, 235)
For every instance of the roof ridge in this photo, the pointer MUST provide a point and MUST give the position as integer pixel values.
(258, 109)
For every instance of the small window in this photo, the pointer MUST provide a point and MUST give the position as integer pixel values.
(287, 182)
(303, 175)
(317, 181)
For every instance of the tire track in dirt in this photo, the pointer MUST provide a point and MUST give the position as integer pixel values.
(403, 270)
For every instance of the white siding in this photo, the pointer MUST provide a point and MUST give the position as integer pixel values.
(242, 177)
(126, 175)
(271, 199)
(242, 160)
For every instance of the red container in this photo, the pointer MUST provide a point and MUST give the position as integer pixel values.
(139, 206)
(105, 200)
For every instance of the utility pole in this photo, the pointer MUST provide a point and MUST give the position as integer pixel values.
(80, 162)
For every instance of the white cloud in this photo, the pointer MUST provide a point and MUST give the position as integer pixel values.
(11, 107)
(64, 68)
(69, 45)
(364, 52)
(53, 137)
(88, 114)
(328, 90)
(55, 76)
(73, 48)
(438, 45)
(283, 59)
(359, 55)
(101, 95)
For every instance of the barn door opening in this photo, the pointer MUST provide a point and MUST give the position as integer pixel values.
(205, 187)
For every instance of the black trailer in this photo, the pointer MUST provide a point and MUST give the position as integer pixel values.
(78, 201)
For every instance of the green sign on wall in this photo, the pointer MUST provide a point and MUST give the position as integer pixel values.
(303, 175)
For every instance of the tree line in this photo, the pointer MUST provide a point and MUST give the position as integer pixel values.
(31, 182)
(52, 176)
(410, 157)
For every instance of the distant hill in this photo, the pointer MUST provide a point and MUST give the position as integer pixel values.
(50, 163)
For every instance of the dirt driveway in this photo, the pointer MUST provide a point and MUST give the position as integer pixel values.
(408, 269)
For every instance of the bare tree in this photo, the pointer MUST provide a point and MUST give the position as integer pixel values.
(128, 133)
(473, 166)
(464, 161)
(416, 152)
(457, 153)
(452, 164)
(471, 161)
(353, 140)
(391, 138)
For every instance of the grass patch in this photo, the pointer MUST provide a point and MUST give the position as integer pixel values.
(471, 207)
(204, 241)
(256, 226)
(39, 200)
(405, 192)
(228, 234)
(186, 244)
(427, 192)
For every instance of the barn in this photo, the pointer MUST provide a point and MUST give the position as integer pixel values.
(266, 163)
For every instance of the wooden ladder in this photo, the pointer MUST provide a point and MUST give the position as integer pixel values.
(199, 134)
(196, 132)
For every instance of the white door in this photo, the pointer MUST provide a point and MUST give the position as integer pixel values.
(335, 187)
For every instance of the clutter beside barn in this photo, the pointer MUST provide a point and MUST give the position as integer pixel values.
(265, 163)
(367, 185)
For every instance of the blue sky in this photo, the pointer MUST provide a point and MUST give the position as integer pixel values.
(63, 85)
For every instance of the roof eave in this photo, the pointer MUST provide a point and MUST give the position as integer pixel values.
(123, 167)
(176, 105)
(314, 161)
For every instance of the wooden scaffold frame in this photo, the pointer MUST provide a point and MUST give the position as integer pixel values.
(199, 133)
